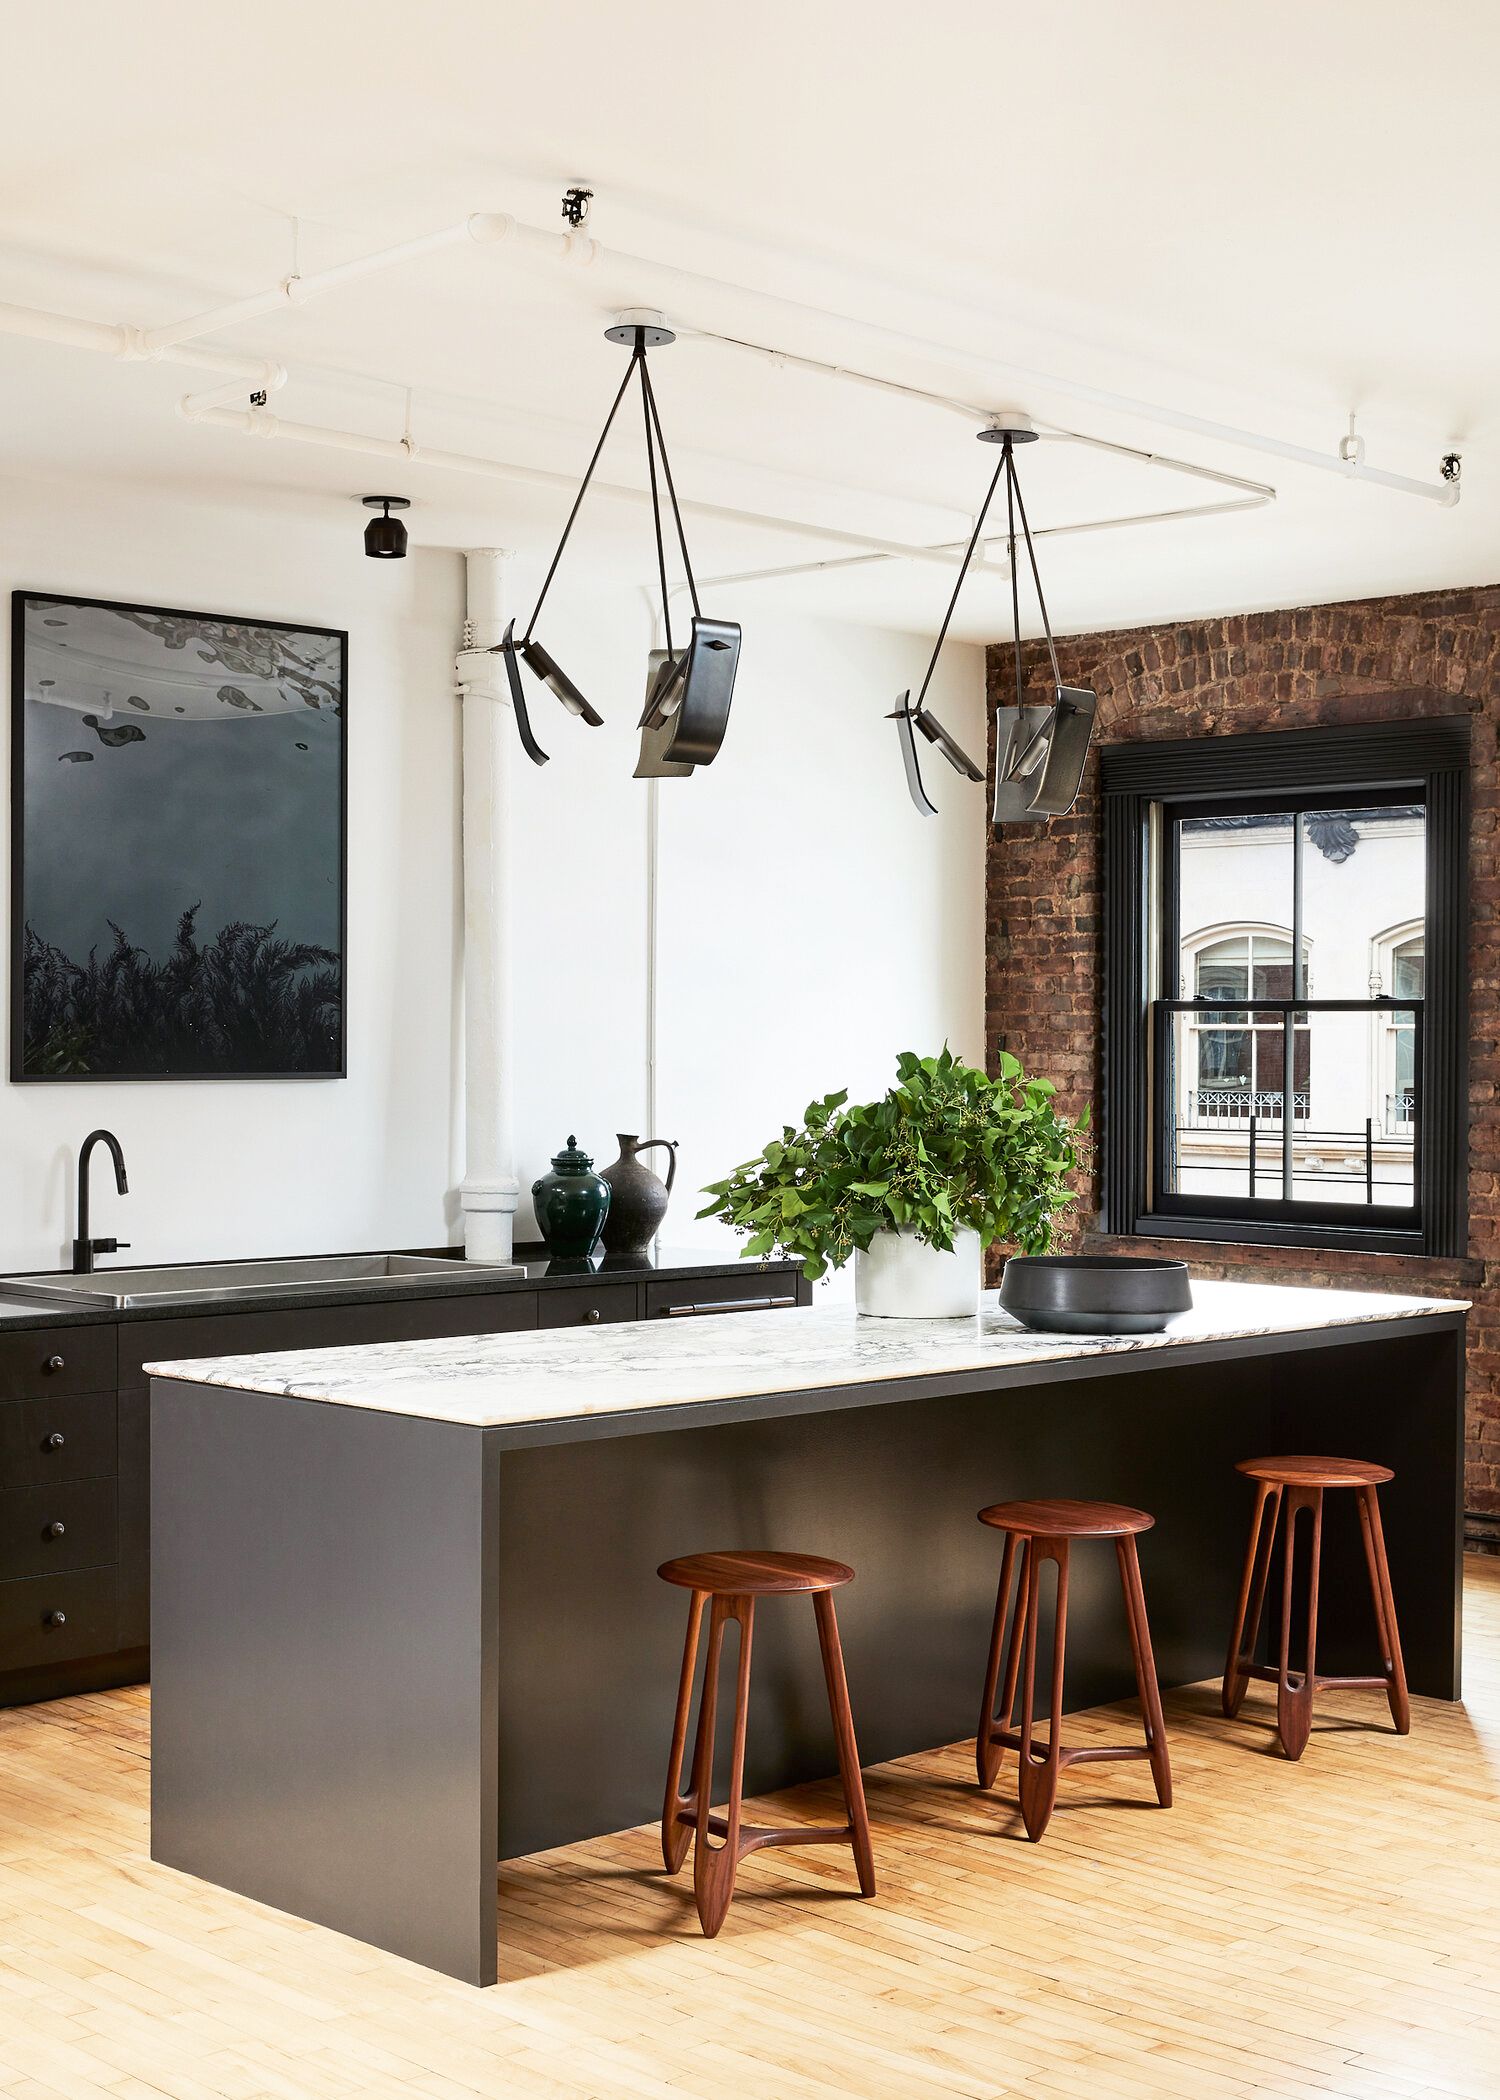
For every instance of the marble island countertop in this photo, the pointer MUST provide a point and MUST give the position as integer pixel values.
(555, 1375)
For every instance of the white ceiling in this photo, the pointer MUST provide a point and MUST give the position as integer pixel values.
(1265, 215)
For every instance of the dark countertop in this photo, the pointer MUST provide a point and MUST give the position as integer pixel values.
(537, 1273)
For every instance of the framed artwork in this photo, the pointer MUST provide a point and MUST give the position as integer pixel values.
(178, 796)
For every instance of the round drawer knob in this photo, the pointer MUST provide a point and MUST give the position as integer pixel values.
(54, 1618)
(592, 1314)
(56, 1441)
(56, 1529)
(55, 1363)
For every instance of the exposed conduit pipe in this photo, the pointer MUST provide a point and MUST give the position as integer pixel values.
(490, 1189)
(258, 423)
(484, 226)
(858, 561)
(579, 247)
(128, 345)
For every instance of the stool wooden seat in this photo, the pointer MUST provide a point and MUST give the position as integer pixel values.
(1299, 1483)
(733, 1581)
(1044, 1530)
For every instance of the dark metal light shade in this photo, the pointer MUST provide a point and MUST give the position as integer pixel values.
(954, 752)
(688, 702)
(909, 720)
(385, 536)
(1040, 754)
(529, 743)
(657, 729)
(557, 682)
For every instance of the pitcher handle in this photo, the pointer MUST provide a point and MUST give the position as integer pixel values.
(671, 1145)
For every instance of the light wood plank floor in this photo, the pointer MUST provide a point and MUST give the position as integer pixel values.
(1331, 1928)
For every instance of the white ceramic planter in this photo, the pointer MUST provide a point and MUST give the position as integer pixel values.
(901, 1278)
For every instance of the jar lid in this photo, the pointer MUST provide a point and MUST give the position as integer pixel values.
(572, 1159)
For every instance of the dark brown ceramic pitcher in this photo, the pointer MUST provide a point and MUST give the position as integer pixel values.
(638, 1198)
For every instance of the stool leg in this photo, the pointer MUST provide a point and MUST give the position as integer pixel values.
(1145, 1668)
(1385, 1610)
(843, 1735)
(1038, 1777)
(986, 1751)
(1252, 1596)
(714, 1865)
(1294, 1695)
(679, 1810)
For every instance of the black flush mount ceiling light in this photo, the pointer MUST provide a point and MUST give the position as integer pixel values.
(385, 536)
(688, 690)
(1040, 749)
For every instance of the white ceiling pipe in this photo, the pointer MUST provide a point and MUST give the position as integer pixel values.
(857, 561)
(967, 409)
(578, 247)
(490, 1189)
(114, 339)
(257, 423)
(297, 290)
(1442, 492)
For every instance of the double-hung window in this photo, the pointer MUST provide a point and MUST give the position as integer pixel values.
(1284, 972)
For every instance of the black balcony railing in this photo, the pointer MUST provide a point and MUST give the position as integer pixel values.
(1210, 1105)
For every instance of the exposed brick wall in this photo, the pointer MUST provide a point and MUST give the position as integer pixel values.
(1434, 653)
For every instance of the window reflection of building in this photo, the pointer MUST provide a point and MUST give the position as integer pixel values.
(1354, 1078)
(1238, 1052)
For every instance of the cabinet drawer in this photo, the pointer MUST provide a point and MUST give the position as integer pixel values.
(318, 1327)
(72, 1525)
(589, 1306)
(759, 1290)
(46, 1360)
(57, 1618)
(67, 1437)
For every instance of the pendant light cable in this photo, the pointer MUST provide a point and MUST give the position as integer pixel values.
(661, 552)
(1035, 577)
(962, 573)
(666, 467)
(637, 357)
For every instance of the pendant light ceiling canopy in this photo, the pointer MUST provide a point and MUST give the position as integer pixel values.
(1040, 749)
(688, 689)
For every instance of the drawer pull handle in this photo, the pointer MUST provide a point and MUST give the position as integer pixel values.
(54, 1618)
(55, 1363)
(592, 1314)
(727, 1305)
(56, 1441)
(57, 1528)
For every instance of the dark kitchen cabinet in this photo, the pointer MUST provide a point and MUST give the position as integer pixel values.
(75, 1446)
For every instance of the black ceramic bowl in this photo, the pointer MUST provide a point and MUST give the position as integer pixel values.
(1094, 1293)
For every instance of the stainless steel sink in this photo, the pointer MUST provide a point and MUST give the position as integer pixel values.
(217, 1283)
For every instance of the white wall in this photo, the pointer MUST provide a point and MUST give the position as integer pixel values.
(290, 1166)
(810, 923)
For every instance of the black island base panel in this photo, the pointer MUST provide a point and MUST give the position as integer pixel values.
(389, 1650)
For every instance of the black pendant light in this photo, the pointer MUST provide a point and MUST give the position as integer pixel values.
(1040, 750)
(385, 536)
(689, 690)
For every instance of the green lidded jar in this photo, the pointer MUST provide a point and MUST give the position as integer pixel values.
(572, 1203)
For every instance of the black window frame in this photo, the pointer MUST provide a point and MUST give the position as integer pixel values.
(1424, 760)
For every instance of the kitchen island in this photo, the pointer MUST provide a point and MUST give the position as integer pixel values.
(406, 1618)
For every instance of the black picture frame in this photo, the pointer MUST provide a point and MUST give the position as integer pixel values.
(336, 1066)
(1428, 755)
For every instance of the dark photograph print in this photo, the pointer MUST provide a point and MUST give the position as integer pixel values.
(177, 828)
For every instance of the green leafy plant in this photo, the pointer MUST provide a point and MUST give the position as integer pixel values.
(948, 1149)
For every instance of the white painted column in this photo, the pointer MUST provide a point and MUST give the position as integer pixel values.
(490, 1190)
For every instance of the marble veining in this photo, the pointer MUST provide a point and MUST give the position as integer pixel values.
(554, 1374)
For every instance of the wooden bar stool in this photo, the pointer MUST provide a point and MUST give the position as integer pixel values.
(1045, 1530)
(734, 1581)
(1301, 1482)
